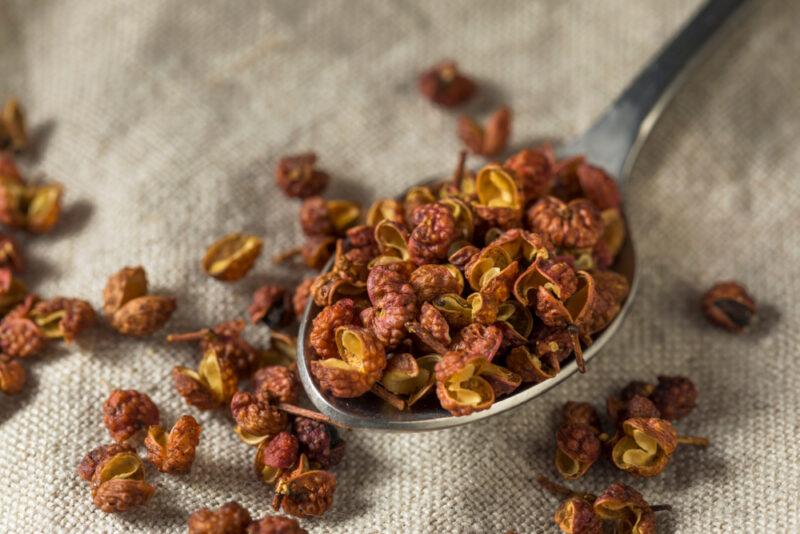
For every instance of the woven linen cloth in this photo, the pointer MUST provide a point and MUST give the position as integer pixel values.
(164, 121)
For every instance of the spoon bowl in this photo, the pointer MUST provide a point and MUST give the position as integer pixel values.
(612, 142)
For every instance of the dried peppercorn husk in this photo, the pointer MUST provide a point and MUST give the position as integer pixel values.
(13, 134)
(612, 290)
(434, 229)
(394, 302)
(231, 257)
(534, 171)
(461, 253)
(329, 288)
(489, 140)
(359, 363)
(385, 209)
(322, 337)
(445, 85)
(143, 316)
(173, 452)
(729, 306)
(266, 473)
(62, 317)
(298, 177)
(316, 252)
(576, 224)
(462, 215)
(459, 386)
(415, 197)
(556, 277)
(499, 201)
(614, 235)
(515, 321)
(328, 217)
(12, 375)
(127, 411)
(455, 309)
(434, 322)
(276, 383)
(598, 187)
(646, 446)
(230, 518)
(10, 255)
(581, 412)
(20, 337)
(8, 167)
(431, 280)
(35, 208)
(274, 524)
(210, 386)
(521, 244)
(319, 442)
(575, 515)
(226, 340)
(478, 339)
(577, 448)
(272, 305)
(301, 296)
(118, 483)
(402, 375)
(486, 265)
(627, 508)
(532, 367)
(674, 396)
(122, 287)
(635, 407)
(98, 455)
(279, 452)
(305, 492)
(392, 239)
(282, 351)
(43, 207)
(256, 420)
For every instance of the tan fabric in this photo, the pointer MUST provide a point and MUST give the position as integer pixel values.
(165, 119)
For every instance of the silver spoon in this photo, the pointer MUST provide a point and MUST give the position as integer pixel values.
(613, 142)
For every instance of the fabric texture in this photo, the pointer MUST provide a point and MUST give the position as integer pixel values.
(164, 120)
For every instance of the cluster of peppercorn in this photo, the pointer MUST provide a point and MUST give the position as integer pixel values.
(643, 438)
(33, 207)
(618, 505)
(115, 472)
(468, 287)
(642, 442)
(294, 446)
(232, 518)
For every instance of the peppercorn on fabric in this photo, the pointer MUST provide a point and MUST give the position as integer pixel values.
(164, 122)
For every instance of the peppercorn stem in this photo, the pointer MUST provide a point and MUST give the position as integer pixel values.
(693, 440)
(188, 336)
(309, 414)
(287, 255)
(561, 490)
(458, 175)
(576, 347)
(426, 337)
(396, 402)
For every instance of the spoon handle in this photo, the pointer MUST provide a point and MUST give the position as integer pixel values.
(613, 141)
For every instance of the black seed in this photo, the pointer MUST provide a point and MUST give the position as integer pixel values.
(738, 313)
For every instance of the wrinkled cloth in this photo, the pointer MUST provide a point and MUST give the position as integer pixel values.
(164, 121)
